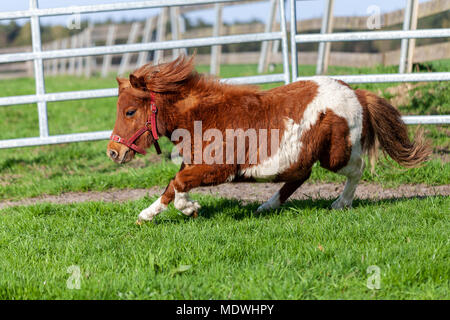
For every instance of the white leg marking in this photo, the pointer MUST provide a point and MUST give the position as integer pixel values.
(184, 204)
(273, 203)
(353, 171)
(155, 208)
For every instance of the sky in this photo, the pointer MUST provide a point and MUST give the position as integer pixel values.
(305, 9)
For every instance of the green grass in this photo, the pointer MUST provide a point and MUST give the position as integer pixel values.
(84, 166)
(303, 251)
(429, 99)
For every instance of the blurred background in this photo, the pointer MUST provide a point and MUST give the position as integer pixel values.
(149, 25)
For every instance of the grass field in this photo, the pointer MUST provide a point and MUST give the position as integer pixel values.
(303, 251)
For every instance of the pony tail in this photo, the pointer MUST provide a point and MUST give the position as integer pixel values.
(391, 133)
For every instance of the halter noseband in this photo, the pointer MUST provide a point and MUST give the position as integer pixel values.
(150, 125)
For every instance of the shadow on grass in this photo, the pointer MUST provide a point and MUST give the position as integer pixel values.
(236, 209)
(23, 161)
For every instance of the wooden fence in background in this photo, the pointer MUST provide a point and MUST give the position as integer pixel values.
(154, 29)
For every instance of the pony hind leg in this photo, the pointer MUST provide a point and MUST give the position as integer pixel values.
(353, 171)
(283, 194)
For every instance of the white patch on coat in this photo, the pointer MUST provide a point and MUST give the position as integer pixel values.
(286, 155)
(271, 204)
(155, 208)
(184, 204)
(330, 95)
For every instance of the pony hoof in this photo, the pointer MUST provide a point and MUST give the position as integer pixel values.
(267, 206)
(139, 222)
(194, 215)
(340, 205)
(189, 208)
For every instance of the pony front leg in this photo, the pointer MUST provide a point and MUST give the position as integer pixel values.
(155, 208)
(194, 176)
(183, 203)
(158, 206)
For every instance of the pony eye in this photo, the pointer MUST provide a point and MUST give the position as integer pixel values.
(130, 113)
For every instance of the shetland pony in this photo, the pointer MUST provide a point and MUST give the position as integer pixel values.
(318, 120)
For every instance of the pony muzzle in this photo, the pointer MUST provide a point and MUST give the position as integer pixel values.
(119, 153)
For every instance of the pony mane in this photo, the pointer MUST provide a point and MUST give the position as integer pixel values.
(165, 77)
(180, 76)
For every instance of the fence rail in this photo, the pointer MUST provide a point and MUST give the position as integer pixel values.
(36, 12)
(37, 56)
(108, 64)
(136, 47)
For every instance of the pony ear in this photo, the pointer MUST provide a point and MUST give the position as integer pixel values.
(138, 82)
(123, 83)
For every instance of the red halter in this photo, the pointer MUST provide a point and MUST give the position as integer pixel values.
(150, 125)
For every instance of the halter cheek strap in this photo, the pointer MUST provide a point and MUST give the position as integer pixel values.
(150, 125)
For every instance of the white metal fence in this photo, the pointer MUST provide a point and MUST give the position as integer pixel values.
(34, 13)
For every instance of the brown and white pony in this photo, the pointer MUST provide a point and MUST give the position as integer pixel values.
(319, 120)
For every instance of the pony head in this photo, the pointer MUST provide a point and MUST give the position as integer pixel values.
(158, 83)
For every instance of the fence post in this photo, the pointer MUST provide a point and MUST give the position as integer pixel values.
(132, 37)
(160, 34)
(294, 56)
(146, 37)
(107, 58)
(323, 53)
(80, 42)
(182, 28)
(284, 41)
(273, 45)
(90, 60)
(39, 71)
(55, 46)
(412, 42)
(63, 63)
(174, 29)
(44, 63)
(263, 57)
(405, 42)
(216, 50)
(73, 44)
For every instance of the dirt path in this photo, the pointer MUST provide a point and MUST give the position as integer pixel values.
(247, 192)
